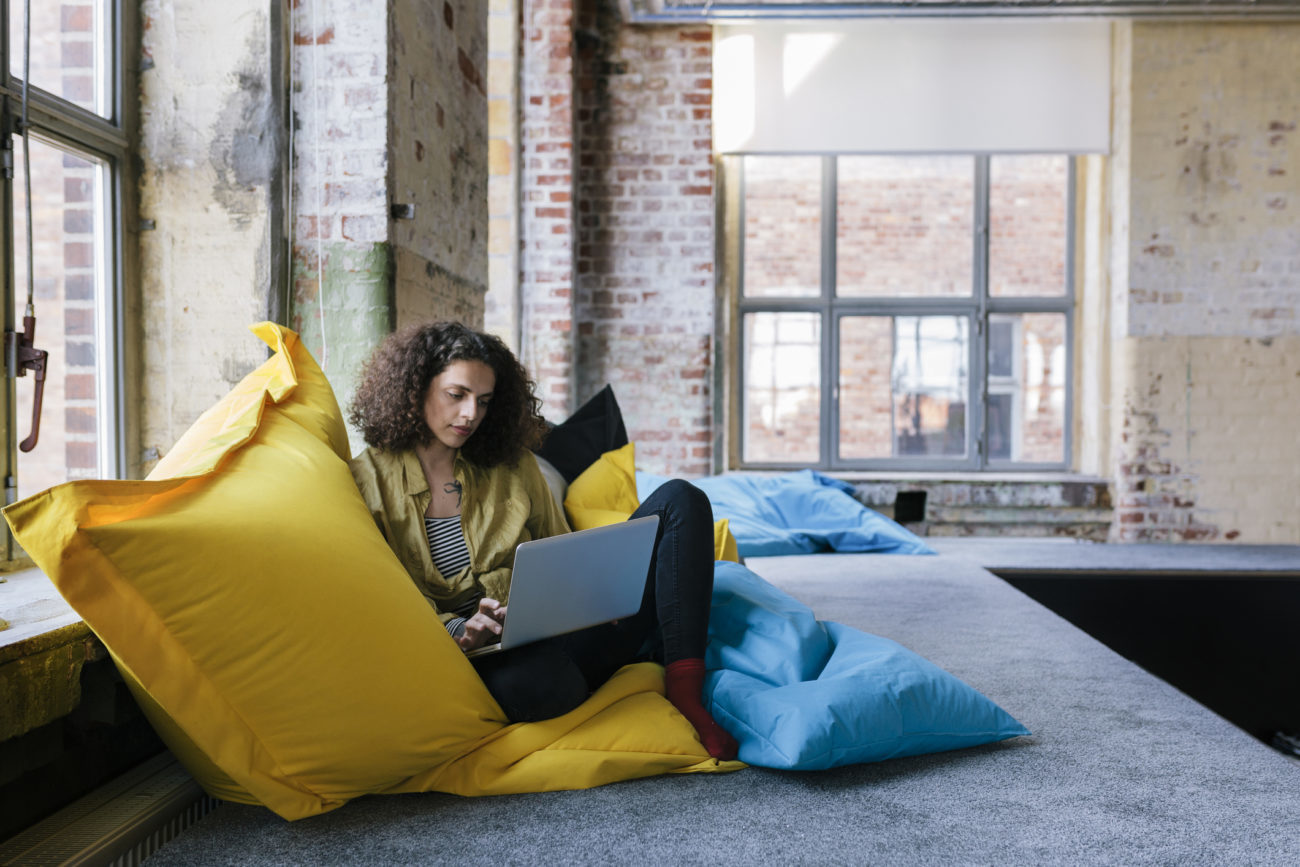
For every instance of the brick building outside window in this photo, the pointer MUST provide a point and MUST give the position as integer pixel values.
(904, 312)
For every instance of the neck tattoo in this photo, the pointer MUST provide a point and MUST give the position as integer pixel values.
(453, 488)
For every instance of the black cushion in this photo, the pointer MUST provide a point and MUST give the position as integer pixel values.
(596, 428)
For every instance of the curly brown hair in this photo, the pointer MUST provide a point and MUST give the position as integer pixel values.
(389, 405)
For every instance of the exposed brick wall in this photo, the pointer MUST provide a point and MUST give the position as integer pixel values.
(645, 211)
(1206, 448)
(390, 109)
(341, 160)
(438, 156)
(345, 68)
(340, 74)
(1216, 164)
(546, 256)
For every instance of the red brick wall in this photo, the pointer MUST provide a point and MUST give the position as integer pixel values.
(645, 232)
(546, 220)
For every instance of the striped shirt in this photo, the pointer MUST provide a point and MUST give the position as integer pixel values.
(450, 555)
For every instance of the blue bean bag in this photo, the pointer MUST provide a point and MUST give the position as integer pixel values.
(802, 694)
(796, 513)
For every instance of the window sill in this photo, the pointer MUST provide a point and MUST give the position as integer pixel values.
(43, 646)
(34, 612)
(987, 477)
(965, 477)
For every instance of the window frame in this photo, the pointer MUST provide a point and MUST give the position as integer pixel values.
(108, 140)
(977, 308)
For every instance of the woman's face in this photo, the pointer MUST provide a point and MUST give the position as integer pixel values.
(457, 400)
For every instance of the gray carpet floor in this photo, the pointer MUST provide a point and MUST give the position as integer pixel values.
(1121, 768)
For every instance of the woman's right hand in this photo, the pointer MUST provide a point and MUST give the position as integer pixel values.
(484, 625)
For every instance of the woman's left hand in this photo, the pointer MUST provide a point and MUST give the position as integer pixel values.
(484, 625)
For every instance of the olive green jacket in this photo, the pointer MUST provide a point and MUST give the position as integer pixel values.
(501, 507)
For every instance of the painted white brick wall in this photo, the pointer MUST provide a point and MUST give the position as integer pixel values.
(1207, 436)
(1215, 244)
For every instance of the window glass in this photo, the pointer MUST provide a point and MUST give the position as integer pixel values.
(68, 50)
(929, 379)
(783, 227)
(904, 226)
(909, 284)
(866, 391)
(69, 251)
(1002, 345)
(903, 386)
(1026, 408)
(782, 399)
(1028, 219)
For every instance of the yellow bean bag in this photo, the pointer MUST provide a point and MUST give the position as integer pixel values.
(605, 493)
(279, 646)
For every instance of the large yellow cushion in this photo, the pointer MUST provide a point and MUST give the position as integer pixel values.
(276, 642)
(605, 493)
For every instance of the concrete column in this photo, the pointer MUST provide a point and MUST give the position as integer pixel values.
(212, 150)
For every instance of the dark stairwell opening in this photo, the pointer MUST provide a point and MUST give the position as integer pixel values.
(1225, 639)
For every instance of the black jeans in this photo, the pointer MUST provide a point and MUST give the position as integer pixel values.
(552, 677)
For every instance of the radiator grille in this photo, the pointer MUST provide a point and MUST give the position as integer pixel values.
(119, 824)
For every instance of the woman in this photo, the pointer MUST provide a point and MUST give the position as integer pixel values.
(450, 419)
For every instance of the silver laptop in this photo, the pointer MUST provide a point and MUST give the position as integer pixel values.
(565, 583)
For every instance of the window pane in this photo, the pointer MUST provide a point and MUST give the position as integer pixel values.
(1026, 408)
(782, 400)
(904, 226)
(866, 396)
(903, 386)
(68, 50)
(783, 224)
(1028, 200)
(68, 247)
(930, 385)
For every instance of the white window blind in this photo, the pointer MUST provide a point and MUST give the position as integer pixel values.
(912, 86)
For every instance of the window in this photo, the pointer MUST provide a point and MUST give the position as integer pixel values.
(70, 281)
(904, 311)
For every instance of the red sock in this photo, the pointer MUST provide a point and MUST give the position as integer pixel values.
(684, 686)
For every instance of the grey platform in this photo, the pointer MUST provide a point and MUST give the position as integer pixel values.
(1121, 767)
(1073, 554)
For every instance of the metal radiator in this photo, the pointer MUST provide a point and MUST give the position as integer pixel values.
(120, 824)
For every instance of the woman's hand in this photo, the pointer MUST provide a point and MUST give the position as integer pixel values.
(484, 625)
